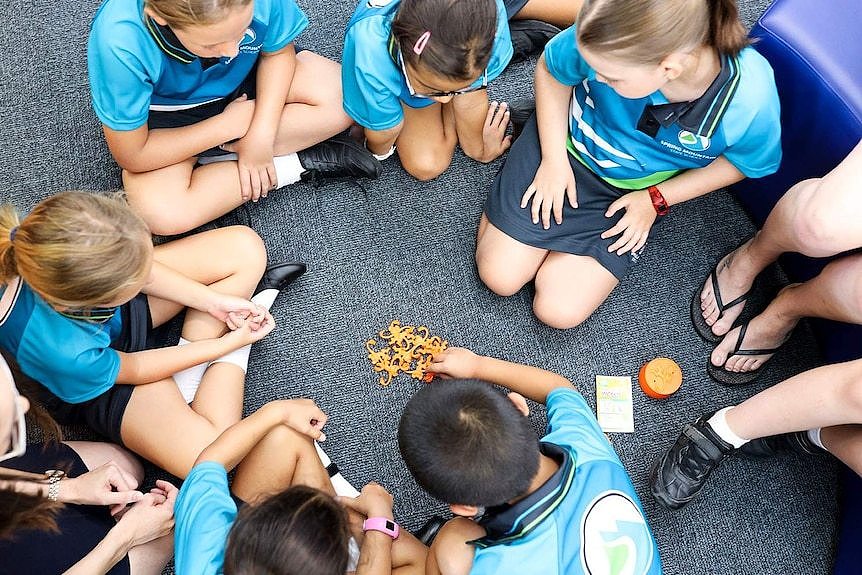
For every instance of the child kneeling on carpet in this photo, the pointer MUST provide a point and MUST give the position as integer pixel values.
(643, 104)
(526, 506)
(280, 515)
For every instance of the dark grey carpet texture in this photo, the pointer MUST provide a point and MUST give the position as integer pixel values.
(402, 249)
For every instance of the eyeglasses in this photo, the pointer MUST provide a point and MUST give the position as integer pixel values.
(431, 95)
(18, 434)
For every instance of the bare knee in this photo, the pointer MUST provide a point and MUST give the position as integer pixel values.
(496, 280)
(248, 247)
(161, 217)
(559, 314)
(814, 222)
(426, 165)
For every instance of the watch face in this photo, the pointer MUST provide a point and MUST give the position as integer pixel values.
(390, 526)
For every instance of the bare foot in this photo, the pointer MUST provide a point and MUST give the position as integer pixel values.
(766, 331)
(735, 275)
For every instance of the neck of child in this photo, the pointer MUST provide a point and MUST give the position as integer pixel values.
(547, 467)
(700, 69)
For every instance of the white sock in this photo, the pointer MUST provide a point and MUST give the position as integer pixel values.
(238, 357)
(265, 298)
(287, 169)
(353, 560)
(814, 436)
(718, 422)
(188, 380)
(339, 483)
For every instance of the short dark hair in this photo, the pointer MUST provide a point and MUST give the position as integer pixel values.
(462, 35)
(300, 531)
(466, 443)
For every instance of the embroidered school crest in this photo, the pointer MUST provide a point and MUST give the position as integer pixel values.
(692, 141)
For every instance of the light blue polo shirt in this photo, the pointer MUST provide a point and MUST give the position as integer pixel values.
(373, 84)
(737, 117)
(134, 64)
(586, 519)
(71, 357)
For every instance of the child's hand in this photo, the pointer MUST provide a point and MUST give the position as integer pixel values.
(455, 362)
(634, 225)
(238, 115)
(304, 416)
(373, 501)
(554, 180)
(494, 138)
(250, 332)
(235, 311)
(152, 517)
(254, 161)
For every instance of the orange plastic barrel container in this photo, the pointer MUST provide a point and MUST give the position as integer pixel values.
(660, 377)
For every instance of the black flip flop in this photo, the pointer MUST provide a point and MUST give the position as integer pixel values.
(734, 378)
(703, 329)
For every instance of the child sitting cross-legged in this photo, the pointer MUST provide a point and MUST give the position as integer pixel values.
(562, 504)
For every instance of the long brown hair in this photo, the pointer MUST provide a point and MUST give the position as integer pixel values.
(646, 31)
(77, 250)
(300, 531)
(185, 13)
(23, 510)
(461, 35)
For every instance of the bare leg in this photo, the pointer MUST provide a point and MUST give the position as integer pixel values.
(816, 218)
(835, 294)
(151, 558)
(97, 453)
(845, 443)
(821, 397)
(560, 14)
(505, 264)
(178, 198)
(556, 303)
(427, 140)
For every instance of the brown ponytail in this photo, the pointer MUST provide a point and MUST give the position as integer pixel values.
(726, 32)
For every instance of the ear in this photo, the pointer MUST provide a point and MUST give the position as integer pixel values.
(520, 403)
(468, 511)
(673, 65)
(159, 20)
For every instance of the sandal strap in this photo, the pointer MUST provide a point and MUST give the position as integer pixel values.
(716, 293)
(737, 348)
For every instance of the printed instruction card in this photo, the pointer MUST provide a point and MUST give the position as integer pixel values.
(614, 404)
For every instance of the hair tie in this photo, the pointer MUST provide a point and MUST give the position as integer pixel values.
(421, 42)
(12, 234)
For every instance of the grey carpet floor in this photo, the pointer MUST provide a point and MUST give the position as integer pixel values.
(404, 249)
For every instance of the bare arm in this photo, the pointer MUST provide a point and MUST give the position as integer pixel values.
(690, 184)
(531, 382)
(450, 553)
(381, 141)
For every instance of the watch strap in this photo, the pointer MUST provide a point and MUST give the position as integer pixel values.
(658, 201)
(383, 525)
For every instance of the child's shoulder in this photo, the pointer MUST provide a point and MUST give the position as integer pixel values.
(757, 81)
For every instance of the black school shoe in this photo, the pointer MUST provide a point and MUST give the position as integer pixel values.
(520, 112)
(279, 276)
(796, 442)
(338, 157)
(529, 37)
(679, 475)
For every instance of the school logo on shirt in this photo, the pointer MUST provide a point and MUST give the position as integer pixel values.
(693, 142)
(249, 42)
(615, 537)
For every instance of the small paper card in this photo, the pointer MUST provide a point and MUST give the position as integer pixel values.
(614, 404)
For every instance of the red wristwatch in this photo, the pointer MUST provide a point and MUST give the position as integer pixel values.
(658, 201)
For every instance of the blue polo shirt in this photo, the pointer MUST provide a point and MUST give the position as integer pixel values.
(586, 519)
(372, 81)
(71, 357)
(204, 514)
(134, 64)
(635, 143)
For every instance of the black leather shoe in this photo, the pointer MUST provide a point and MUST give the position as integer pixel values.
(529, 37)
(429, 531)
(796, 442)
(682, 471)
(338, 157)
(520, 112)
(279, 276)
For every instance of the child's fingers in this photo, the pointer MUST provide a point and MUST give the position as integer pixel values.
(616, 229)
(572, 194)
(622, 241)
(244, 184)
(615, 206)
(558, 209)
(527, 195)
(492, 111)
(547, 206)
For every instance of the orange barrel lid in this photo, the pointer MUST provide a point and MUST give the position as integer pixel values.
(660, 377)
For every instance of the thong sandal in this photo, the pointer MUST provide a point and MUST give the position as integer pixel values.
(734, 378)
(703, 329)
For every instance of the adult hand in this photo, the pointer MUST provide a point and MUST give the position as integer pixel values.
(455, 362)
(150, 518)
(254, 161)
(494, 138)
(305, 416)
(635, 224)
(108, 484)
(373, 501)
(553, 182)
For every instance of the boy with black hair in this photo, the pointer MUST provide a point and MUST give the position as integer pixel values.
(563, 504)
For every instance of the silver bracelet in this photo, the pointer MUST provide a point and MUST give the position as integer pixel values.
(54, 476)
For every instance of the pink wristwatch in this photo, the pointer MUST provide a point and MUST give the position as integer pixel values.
(383, 525)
